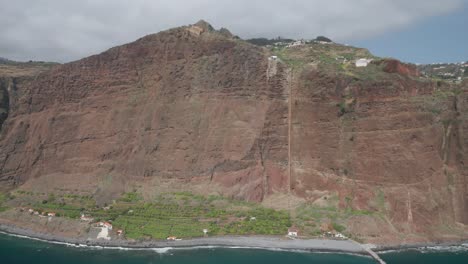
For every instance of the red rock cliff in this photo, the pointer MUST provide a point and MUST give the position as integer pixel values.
(195, 105)
(180, 104)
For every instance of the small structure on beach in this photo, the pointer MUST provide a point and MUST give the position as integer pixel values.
(51, 214)
(340, 236)
(334, 234)
(205, 232)
(119, 232)
(293, 232)
(171, 238)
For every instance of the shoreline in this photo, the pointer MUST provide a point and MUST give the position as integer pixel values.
(241, 242)
(245, 242)
(419, 246)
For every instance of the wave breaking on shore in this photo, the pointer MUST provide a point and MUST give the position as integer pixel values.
(166, 250)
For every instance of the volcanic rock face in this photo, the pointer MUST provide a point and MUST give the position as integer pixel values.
(180, 104)
(4, 101)
(12, 76)
(398, 139)
(197, 105)
(395, 66)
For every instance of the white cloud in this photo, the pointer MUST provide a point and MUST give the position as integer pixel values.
(63, 30)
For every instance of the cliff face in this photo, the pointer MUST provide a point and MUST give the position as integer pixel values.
(4, 101)
(12, 75)
(180, 104)
(198, 107)
(396, 145)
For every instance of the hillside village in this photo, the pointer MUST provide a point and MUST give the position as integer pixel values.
(452, 72)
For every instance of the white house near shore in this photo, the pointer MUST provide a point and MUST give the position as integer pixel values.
(362, 62)
(293, 232)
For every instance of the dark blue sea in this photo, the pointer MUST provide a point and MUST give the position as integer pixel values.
(15, 250)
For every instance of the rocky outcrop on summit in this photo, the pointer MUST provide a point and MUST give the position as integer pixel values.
(395, 66)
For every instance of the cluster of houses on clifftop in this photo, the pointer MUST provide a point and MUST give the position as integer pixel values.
(361, 62)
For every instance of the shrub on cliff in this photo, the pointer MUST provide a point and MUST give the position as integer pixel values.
(324, 39)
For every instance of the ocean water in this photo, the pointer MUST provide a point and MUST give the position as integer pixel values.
(14, 250)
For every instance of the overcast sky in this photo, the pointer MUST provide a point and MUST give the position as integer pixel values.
(65, 30)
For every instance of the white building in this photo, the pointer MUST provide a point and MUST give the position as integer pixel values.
(363, 62)
(293, 232)
(273, 58)
(339, 235)
(296, 43)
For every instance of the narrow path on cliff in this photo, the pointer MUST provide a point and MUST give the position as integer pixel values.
(390, 184)
(290, 99)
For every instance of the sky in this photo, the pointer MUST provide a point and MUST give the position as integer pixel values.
(418, 31)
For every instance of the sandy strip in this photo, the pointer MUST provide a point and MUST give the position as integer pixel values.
(261, 242)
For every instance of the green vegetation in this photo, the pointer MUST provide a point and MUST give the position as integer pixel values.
(173, 214)
(309, 217)
(331, 59)
(186, 215)
(3, 199)
(266, 42)
(324, 39)
(338, 227)
(282, 53)
(438, 102)
(381, 200)
(131, 197)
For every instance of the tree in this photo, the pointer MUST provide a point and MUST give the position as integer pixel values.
(324, 39)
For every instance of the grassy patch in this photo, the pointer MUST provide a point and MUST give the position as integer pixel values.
(131, 197)
(186, 215)
(183, 215)
(309, 217)
(438, 102)
(3, 199)
(381, 200)
(291, 61)
(338, 227)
